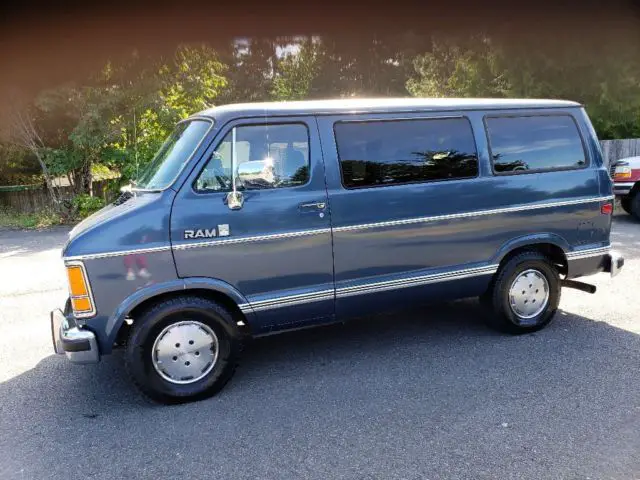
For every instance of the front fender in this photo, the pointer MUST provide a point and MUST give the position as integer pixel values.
(533, 239)
(183, 285)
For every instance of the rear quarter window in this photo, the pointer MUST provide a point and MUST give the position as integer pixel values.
(534, 143)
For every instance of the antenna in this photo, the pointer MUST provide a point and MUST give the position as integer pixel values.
(135, 140)
(233, 160)
(235, 199)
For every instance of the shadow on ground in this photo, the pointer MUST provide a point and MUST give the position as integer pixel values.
(429, 394)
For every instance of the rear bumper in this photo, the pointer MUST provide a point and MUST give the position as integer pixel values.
(622, 188)
(78, 344)
(614, 262)
(593, 261)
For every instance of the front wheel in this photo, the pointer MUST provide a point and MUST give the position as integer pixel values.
(182, 349)
(625, 203)
(524, 295)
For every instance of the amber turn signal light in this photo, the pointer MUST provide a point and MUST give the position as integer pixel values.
(77, 285)
(79, 291)
(82, 304)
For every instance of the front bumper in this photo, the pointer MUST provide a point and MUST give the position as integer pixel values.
(622, 188)
(78, 344)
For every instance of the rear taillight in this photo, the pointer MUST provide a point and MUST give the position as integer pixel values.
(606, 209)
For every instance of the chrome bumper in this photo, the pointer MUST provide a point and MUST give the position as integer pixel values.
(615, 262)
(622, 188)
(79, 345)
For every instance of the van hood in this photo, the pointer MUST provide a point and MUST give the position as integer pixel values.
(106, 213)
(139, 221)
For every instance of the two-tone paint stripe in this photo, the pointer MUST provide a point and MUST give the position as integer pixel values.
(292, 300)
(372, 287)
(419, 280)
(474, 213)
(395, 284)
(119, 253)
(344, 228)
(587, 253)
(252, 239)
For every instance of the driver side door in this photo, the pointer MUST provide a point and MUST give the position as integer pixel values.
(276, 249)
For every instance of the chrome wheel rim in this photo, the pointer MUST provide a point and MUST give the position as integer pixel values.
(529, 294)
(185, 352)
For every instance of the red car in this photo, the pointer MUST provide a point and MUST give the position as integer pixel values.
(625, 174)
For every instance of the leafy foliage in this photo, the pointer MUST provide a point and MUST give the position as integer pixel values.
(602, 73)
(119, 117)
(85, 205)
(297, 72)
(451, 69)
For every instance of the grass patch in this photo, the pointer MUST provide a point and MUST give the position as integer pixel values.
(9, 219)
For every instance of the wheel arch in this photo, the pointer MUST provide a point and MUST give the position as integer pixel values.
(210, 288)
(549, 244)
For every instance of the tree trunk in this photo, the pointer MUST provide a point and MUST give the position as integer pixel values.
(86, 179)
(47, 179)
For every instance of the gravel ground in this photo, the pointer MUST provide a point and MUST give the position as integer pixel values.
(428, 394)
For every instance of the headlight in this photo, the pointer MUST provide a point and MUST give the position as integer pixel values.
(622, 171)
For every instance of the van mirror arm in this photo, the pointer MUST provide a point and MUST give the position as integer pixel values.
(235, 199)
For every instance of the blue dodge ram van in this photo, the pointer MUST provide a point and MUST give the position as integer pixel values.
(259, 218)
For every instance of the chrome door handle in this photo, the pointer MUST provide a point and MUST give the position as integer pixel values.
(314, 205)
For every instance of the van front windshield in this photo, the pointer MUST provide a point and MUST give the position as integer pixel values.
(172, 156)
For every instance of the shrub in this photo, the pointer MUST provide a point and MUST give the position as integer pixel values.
(85, 204)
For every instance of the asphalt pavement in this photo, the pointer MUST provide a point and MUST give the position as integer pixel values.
(422, 394)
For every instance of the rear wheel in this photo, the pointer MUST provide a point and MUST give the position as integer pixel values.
(182, 349)
(524, 294)
(625, 202)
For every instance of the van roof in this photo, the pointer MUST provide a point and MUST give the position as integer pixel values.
(382, 105)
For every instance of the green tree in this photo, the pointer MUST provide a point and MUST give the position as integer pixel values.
(252, 64)
(84, 130)
(17, 166)
(297, 72)
(154, 96)
(453, 69)
(25, 134)
(602, 73)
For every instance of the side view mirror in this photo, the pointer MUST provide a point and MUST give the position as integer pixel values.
(252, 174)
(256, 173)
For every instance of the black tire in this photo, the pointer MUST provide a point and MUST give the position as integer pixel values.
(148, 326)
(500, 314)
(635, 205)
(625, 203)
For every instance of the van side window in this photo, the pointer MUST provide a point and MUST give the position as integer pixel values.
(534, 143)
(284, 146)
(393, 152)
